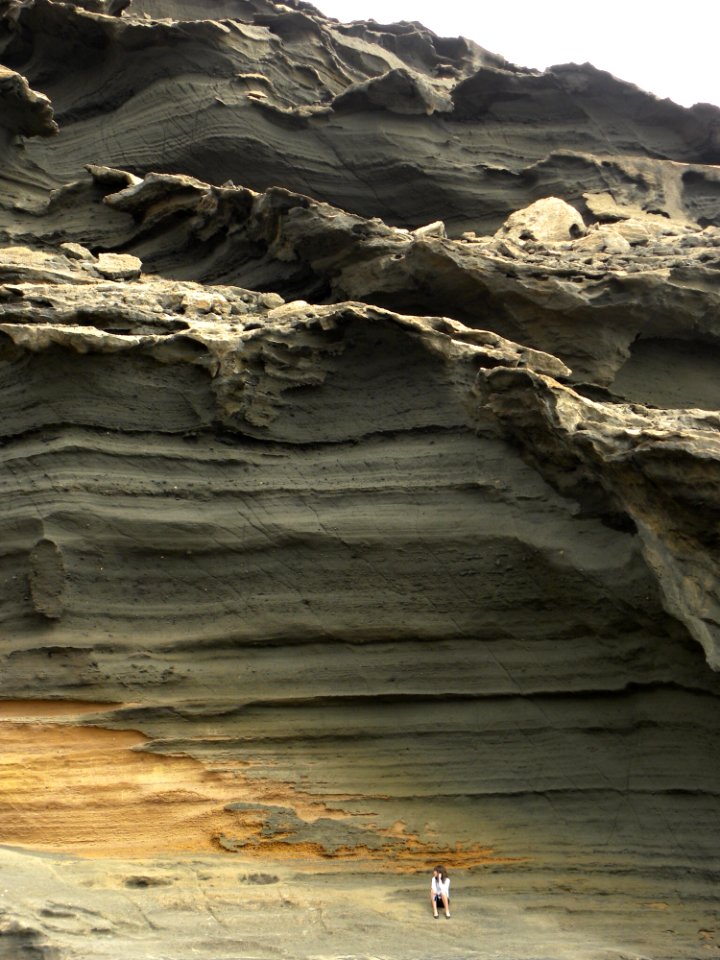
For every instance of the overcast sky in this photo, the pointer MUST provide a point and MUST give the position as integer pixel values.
(671, 49)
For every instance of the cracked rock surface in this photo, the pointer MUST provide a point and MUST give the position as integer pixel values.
(360, 475)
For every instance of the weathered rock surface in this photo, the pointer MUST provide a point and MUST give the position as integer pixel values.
(380, 120)
(359, 461)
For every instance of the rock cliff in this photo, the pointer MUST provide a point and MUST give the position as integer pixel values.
(359, 460)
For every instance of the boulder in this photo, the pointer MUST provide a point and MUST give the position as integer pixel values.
(547, 221)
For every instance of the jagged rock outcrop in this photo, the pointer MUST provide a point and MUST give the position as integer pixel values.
(359, 464)
(269, 95)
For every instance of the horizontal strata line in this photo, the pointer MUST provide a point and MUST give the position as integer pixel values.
(188, 712)
(221, 435)
(136, 491)
(355, 641)
(629, 691)
(256, 738)
(623, 792)
(555, 793)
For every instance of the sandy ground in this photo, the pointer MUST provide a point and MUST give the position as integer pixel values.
(225, 909)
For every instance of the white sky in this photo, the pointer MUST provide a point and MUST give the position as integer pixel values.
(670, 48)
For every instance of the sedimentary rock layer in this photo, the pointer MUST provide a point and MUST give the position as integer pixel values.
(358, 458)
(300, 537)
(387, 121)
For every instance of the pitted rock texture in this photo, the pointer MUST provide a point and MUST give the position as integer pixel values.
(359, 464)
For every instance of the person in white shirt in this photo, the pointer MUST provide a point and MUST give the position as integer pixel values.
(440, 891)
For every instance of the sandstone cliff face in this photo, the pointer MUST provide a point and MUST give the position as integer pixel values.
(360, 474)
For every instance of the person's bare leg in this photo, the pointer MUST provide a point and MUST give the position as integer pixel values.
(433, 904)
(445, 904)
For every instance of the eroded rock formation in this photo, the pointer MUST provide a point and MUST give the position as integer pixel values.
(359, 465)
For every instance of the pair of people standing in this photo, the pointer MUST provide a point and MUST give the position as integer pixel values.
(440, 891)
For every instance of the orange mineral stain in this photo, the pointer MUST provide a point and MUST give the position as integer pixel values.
(47, 709)
(89, 790)
(95, 792)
